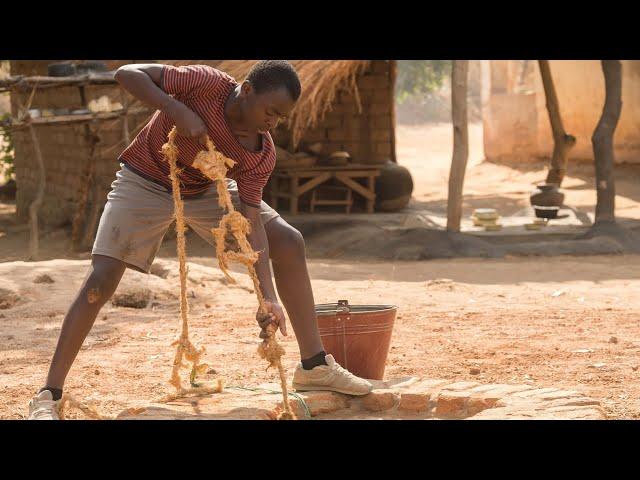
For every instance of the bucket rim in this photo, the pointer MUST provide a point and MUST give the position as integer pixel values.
(334, 308)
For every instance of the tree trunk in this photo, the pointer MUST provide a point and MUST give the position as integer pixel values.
(35, 205)
(562, 141)
(602, 140)
(459, 74)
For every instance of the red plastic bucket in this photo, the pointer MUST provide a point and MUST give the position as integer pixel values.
(358, 336)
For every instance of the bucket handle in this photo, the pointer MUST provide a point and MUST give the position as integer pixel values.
(343, 306)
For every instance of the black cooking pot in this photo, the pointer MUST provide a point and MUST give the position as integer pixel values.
(61, 69)
(90, 66)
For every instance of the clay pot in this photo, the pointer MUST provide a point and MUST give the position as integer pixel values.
(394, 187)
(547, 195)
(338, 159)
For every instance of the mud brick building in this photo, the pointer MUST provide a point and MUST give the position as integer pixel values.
(346, 105)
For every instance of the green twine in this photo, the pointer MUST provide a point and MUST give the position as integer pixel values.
(307, 411)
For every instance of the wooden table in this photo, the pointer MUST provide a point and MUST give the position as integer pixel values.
(318, 175)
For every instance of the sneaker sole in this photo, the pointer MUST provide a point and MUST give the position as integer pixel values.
(303, 388)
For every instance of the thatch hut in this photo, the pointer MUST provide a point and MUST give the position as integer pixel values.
(345, 105)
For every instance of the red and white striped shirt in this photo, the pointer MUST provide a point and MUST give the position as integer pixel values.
(204, 90)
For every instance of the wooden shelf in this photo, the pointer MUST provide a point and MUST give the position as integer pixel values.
(85, 117)
(285, 171)
(21, 82)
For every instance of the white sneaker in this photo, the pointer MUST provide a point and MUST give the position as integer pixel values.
(331, 377)
(44, 407)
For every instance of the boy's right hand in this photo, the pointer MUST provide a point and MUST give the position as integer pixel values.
(188, 123)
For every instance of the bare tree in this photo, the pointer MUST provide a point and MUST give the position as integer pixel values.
(459, 75)
(602, 140)
(562, 141)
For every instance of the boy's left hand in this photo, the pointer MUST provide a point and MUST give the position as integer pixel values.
(274, 315)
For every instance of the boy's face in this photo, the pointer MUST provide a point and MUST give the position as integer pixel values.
(262, 112)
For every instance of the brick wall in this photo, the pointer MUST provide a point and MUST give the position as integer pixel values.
(366, 135)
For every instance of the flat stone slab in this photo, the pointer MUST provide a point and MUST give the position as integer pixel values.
(400, 398)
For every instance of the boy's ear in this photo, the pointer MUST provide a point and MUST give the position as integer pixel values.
(246, 88)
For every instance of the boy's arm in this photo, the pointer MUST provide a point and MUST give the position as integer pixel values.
(144, 82)
(258, 240)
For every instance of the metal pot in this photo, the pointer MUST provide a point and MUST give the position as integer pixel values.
(546, 212)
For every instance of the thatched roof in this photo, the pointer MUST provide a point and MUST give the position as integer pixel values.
(321, 80)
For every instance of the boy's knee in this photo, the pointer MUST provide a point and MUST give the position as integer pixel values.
(102, 282)
(285, 241)
(292, 242)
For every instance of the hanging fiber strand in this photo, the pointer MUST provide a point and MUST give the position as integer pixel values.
(215, 165)
(185, 349)
(67, 402)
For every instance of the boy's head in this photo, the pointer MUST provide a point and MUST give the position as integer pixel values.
(269, 93)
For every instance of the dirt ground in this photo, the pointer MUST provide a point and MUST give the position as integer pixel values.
(563, 322)
(426, 151)
(569, 322)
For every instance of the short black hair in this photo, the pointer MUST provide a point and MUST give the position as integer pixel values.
(268, 75)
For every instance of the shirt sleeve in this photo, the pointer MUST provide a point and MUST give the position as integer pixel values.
(250, 187)
(190, 80)
(252, 183)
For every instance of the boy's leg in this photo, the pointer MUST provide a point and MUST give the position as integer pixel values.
(317, 371)
(133, 223)
(287, 253)
(286, 250)
(100, 283)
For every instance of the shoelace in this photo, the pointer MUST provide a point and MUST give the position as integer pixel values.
(44, 407)
(339, 369)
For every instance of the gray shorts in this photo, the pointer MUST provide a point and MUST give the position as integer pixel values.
(139, 212)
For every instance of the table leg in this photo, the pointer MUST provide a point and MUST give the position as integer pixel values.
(371, 185)
(274, 193)
(294, 195)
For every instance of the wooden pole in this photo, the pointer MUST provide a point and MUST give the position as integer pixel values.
(562, 141)
(98, 195)
(35, 205)
(85, 188)
(125, 119)
(459, 74)
(602, 141)
(393, 73)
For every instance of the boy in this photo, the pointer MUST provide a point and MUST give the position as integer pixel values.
(201, 100)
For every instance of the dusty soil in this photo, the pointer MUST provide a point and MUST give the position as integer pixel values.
(426, 151)
(562, 322)
(569, 322)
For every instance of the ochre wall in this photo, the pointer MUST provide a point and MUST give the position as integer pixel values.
(516, 122)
